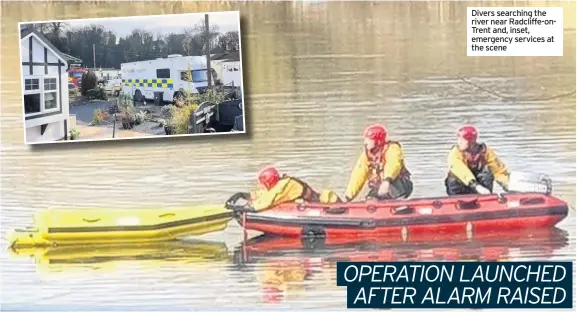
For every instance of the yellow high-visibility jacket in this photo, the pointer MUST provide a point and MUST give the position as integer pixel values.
(392, 161)
(286, 190)
(456, 160)
(289, 190)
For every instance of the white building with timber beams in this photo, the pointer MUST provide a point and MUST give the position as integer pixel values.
(44, 88)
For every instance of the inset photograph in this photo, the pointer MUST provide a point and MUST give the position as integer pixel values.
(132, 77)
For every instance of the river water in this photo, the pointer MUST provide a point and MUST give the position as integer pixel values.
(315, 75)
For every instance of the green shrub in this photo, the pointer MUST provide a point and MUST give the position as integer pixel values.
(124, 100)
(181, 119)
(167, 112)
(128, 120)
(89, 82)
(74, 134)
(139, 117)
(184, 100)
(98, 116)
(125, 104)
(96, 94)
(211, 96)
(192, 99)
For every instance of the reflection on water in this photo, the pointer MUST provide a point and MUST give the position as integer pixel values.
(315, 75)
(285, 266)
(56, 259)
(277, 270)
(485, 247)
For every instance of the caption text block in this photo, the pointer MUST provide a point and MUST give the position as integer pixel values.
(432, 285)
(514, 31)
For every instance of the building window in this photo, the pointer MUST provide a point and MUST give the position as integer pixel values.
(32, 103)
(163, 73)
(50, 97)
(31, 84)
(50, 100)
(40, 95)
(49, 84)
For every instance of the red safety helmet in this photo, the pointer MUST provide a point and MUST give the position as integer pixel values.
(268, 177)
(377, 133)
(468, 133)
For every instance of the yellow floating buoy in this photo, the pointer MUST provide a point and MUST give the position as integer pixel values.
(63, 227)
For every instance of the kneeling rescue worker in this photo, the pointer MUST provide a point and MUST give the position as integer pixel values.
(382, 164)
(473, 167)
(277, 190)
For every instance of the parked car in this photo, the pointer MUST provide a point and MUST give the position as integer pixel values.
(114, 86)
(72, 90)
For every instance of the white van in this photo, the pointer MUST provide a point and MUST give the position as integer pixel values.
(166, 75)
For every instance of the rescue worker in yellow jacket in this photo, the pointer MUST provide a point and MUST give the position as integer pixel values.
(382, 164)
(473, 166)
(277, 190)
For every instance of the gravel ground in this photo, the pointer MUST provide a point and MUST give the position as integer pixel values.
(84, 110)
(148, 126)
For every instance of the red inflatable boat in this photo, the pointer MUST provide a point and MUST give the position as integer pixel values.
(483, 247)
(464, 213)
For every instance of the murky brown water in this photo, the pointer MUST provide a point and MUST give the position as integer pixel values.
(316, 74)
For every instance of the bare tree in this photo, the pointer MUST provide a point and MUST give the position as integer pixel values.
(200, 28)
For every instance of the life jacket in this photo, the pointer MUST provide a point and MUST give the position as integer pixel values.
(476, 161)
(308, 194)
(377, 165)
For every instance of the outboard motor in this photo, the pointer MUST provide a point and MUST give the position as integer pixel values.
(520, 182)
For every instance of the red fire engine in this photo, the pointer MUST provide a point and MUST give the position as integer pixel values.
(75, 75)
